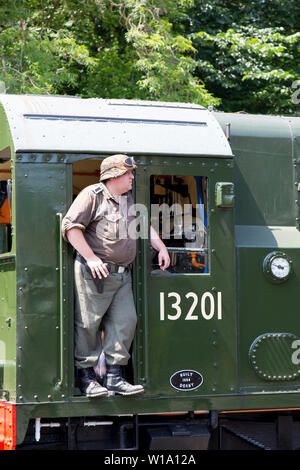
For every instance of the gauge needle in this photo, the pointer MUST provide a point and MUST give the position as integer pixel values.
(278, 266)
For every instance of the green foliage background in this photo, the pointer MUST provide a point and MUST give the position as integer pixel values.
(234, 55)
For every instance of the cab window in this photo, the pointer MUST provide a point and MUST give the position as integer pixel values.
(179, 216)
(5, 216)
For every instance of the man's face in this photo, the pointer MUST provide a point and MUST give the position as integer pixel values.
(124, 182)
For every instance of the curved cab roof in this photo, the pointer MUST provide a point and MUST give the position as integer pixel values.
(66, 124)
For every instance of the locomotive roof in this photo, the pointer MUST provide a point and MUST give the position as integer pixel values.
(67, 124)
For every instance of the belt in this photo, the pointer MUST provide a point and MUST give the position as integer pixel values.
(112, 267)
(116, 268)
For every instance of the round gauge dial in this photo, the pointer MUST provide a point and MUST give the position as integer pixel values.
(280, 267)
(277, 266)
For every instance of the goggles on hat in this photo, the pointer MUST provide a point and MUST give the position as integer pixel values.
(129, 162)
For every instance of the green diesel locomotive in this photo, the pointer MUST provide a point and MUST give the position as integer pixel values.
(217, 345)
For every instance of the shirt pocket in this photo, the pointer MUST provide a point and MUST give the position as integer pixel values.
(108, 226)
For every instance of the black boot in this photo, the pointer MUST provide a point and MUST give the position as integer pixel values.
(115, 383)
(88, 383)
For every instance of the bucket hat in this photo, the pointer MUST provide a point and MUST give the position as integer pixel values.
(116, 165)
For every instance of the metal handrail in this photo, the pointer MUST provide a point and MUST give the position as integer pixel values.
(61, 300)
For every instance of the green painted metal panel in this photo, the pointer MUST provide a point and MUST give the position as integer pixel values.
(272, 357)
(44, 337)
(207, 346)
(7, 281)
(264, 307)
(264, 169)
(5, 135)
(295, 137)
(7, 327)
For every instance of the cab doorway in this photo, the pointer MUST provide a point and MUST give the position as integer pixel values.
(85, 173)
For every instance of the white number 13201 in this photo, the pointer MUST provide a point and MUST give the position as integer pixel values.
(208, 306)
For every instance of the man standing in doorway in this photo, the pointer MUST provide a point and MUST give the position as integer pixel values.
(96, 225)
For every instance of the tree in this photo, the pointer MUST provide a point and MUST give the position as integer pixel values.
(235, 55)
(39, 51)
(110, 49)
(165, 57)
(248, 53)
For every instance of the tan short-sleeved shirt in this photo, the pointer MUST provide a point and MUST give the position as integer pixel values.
(104, 222)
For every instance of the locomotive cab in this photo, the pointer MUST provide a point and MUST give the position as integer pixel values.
(217, 331)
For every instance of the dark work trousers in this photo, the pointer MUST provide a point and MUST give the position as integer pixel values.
(106, 303)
